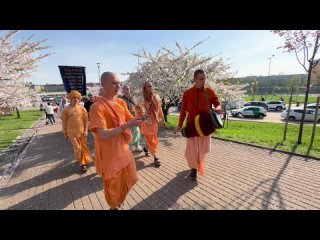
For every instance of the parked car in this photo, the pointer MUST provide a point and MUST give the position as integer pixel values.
(45, 98)
(250, 111)
(296, 114)
(276, 105)
(257, 104)
(57, 99)
(313, 106)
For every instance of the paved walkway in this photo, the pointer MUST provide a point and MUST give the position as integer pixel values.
(237, 176)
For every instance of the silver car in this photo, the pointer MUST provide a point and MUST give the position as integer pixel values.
(296, 114)
(276, 105)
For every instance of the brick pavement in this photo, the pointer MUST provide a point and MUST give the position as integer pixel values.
(237, 176)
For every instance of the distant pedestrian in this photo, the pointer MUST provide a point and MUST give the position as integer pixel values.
(63, 104)
(50, 113)
(89, 102)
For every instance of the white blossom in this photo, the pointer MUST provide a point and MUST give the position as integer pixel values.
(17, 62)
(171, 72)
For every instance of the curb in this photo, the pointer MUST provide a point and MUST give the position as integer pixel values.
(266, 148)
(11, 164)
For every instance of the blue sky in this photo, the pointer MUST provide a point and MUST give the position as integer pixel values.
(246, 50)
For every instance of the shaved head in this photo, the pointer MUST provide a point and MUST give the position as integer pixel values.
(111, 84)
(107, 77)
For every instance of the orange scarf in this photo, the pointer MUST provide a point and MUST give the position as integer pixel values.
(117, 121)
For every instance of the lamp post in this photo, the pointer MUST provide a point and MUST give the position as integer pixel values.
(98, 65)
(269, 69)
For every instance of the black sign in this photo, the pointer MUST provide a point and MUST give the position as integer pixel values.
(74, 78)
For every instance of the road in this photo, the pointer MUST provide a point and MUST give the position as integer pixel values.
(272, 117)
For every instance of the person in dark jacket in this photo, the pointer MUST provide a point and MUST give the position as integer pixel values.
(89, 102)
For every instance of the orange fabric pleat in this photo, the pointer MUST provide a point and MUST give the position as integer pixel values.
(117, 188)
(195, 152)
(81, 151)
(152, 143)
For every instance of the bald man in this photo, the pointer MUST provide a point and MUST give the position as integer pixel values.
(111, 120)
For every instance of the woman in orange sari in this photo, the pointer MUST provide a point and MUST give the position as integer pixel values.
(149, 105)
(75, 128)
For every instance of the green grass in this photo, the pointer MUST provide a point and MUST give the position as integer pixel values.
(300, 99)
(268, 135)
(11, 127)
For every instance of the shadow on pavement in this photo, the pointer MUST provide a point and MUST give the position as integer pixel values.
(80, 188)
(172, 191)
(49, 151)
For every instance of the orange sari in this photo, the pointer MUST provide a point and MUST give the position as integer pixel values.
(74, 124)
(150, 129)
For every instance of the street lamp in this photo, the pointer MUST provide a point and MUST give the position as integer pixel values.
(98, 65)
(269, 68)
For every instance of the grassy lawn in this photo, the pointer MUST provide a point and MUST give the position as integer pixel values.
(300, 99)
(267, 135)
(11, 127)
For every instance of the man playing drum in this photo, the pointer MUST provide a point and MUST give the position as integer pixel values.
(197, 99)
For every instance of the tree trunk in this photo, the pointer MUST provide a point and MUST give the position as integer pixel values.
(165, 110)
(225, 115)
(287, 119)
(311, 63)
(305, 103)
(18, 112)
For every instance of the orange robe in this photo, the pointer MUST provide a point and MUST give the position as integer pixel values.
(97, 160)
(114, 159)
(74, 124)
(150, 130)
(195, 101)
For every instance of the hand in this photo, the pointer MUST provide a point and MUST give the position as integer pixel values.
(177, 129)
(134, 122)
(85, 133)
(164, 124)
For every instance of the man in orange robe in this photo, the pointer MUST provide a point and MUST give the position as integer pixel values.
(75, 128)
(110, 120)
(149, 104)
(194, 101)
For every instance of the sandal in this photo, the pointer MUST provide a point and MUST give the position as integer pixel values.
(84, 168)
(146, 151)
(157, 162)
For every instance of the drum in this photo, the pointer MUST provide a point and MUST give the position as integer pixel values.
(204, 124)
